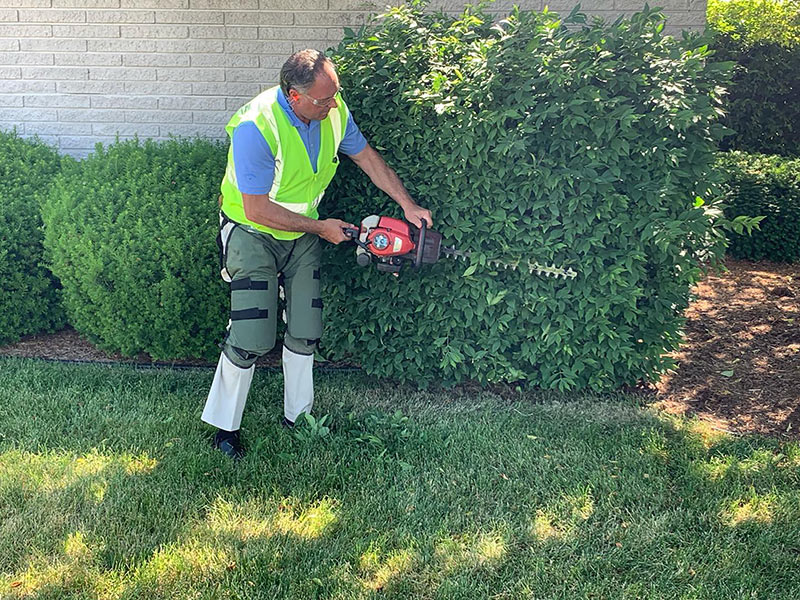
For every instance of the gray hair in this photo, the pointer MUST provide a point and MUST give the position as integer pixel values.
(300, 70)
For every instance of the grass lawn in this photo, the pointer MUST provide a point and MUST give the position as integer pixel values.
(109, 489)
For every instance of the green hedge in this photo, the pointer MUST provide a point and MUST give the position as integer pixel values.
(768, 186)
(551, 139)
(762, 38)
(29, 301)
(130, 234)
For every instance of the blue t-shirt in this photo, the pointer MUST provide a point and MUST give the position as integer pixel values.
(255, 164)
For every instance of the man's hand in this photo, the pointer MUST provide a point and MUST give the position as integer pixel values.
(333, 230)
(415, 213)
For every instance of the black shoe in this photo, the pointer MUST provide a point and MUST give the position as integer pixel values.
(229, 443)
(286, 423)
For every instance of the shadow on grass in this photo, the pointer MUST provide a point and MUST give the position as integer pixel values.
(108, 488)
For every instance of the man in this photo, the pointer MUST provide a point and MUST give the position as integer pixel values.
(283, 154)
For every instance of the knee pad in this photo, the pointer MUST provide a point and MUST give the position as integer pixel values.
(300, 345)
(239, 357)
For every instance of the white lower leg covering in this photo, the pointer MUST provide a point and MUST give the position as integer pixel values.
(227, 395)
(298, 384)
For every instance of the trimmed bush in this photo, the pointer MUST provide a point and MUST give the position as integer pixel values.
(768, 186)
(29, 302)
(544, 139)
(763, 39)
(131, 236)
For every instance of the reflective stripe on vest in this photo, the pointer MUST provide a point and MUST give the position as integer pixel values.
(295, 186)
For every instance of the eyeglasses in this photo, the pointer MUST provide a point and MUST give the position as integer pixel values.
(322, 101)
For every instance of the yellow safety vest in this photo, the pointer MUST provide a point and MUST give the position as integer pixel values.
(295, 186)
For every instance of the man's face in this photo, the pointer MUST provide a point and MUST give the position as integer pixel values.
(322, 90)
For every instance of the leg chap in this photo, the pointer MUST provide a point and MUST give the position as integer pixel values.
(249, 265)
(303, 297)
(303, 327)
(228, 395)
(252, 327)
(298, 384)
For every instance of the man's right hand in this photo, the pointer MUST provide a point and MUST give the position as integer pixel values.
(333, 230)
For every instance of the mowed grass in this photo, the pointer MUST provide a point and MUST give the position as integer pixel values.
(109, 489)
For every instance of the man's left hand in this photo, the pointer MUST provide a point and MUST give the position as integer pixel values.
(415, 213)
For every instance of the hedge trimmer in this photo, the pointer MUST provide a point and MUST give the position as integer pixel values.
(393, 243)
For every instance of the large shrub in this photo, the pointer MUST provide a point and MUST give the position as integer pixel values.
(131, 236)
(762, 38)
(540, 138)
(29, 302)
(768, 186)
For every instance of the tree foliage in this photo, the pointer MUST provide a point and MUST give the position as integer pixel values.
(753, 22)
(762, 38)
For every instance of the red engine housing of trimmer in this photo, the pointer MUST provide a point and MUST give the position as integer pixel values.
(389, 237)
(391, 241)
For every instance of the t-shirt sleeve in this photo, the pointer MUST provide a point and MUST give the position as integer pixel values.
(255, 164)
(353, 141)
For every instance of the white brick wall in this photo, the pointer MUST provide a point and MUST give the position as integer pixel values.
(77, 72)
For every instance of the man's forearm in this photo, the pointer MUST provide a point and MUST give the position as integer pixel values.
(383, 176)
(389, 182)
(259, 209)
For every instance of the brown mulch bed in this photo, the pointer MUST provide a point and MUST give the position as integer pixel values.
(739, 367)
(740, 364)
(70, 345)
